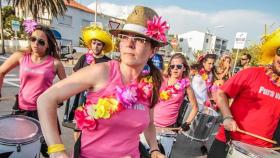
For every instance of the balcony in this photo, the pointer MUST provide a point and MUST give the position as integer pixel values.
(44, 21)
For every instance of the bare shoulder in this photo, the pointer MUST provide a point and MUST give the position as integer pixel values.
(18, 55)
(57, 62)
(95, 74)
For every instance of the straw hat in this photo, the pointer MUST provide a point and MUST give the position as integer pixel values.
(95, 32)
(145, 22)
(269, 46)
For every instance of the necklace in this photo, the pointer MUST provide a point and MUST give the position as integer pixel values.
(274, 78)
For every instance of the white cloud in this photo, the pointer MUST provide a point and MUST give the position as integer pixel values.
(182, 20)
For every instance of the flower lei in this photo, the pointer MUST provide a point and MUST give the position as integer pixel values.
(87, 116)
(157, 28)
(89, 57)
(29, 26)
(172, 90)
(204, 75)
(274, 78)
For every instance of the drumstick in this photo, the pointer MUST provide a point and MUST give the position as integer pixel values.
(8, 98)
(171, 129)
(256, 136)
(275, 148)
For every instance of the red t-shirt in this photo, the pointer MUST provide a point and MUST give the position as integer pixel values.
(256, 106)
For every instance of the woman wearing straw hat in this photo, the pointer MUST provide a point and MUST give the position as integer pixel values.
(255, 109)
(120, 101)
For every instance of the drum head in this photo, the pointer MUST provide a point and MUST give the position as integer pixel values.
(17, 129)
(254, 151)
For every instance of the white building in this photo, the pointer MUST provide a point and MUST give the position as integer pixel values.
(199, 41)
(69, 26)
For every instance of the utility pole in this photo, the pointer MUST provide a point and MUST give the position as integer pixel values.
(1, 28)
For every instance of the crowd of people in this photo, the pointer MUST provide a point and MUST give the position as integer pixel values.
(117, 100)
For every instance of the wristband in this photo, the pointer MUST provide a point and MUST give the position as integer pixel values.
(154, 151)
(56, 148)
(227, 117)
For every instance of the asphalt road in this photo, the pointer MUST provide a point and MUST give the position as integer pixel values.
(183, 147)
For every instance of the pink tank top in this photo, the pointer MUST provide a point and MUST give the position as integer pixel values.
(166, 111)
(117, 136)
(34, 80)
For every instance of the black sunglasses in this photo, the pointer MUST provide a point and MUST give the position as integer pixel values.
(180, 66)
(39, 40)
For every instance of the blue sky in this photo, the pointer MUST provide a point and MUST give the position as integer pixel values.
(205, 15)
(269, 6)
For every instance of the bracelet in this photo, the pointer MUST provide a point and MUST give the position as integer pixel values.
(154, 151)
(56, 148)
(227, 117)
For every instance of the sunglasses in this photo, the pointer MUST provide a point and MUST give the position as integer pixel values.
(244, 59)
(179, 66)
(278, 52)
(137, 39)
(39, 40)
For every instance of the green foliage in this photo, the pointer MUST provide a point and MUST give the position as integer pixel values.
(253, 50)
(8, 14)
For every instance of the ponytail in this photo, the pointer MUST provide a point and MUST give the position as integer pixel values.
(157, 80)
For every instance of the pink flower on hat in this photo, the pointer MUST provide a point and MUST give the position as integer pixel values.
(29, 26)
(156, 29)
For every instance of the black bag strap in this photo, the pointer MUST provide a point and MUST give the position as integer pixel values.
(77, 147)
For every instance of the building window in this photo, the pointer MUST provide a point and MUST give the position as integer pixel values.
(65, 20)
(207, 40)
(85, 22)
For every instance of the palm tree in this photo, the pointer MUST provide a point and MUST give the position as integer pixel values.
(54, 8)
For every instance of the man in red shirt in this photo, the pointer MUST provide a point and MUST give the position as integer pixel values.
(256, 105)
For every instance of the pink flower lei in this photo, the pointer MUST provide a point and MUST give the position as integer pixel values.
(125, 98)
(89, 57)
(166, 93)
(157, 28)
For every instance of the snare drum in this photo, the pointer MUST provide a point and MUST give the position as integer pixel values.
(19, 137)
(165, 138)
(202, 125)
(242, 150)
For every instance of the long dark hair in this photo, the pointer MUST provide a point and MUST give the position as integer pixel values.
(53, 49)
(182, 57)
(199, 64)
(157, 78)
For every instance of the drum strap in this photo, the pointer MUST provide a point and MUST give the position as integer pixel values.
(228, 139)
(77, 147)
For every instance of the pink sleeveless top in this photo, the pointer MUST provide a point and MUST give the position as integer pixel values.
(166, 111)
(117, 136)
(34, 80)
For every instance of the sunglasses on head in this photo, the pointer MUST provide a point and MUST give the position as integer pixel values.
(179, 66)
(39, 40)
